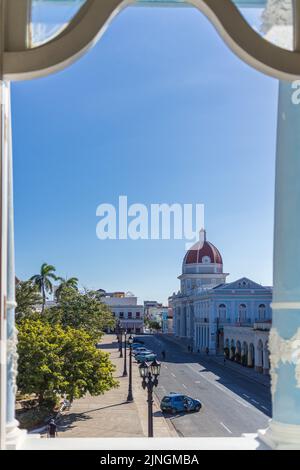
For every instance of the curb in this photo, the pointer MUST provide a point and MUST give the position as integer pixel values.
(168, 422)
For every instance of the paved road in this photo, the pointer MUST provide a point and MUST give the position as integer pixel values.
(231, 404)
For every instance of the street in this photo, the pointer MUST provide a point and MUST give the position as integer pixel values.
(231, 404)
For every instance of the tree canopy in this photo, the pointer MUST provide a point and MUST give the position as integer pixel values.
(55, 360)
(71, 282)
(28, 298)
(81, 310)
(44, 280)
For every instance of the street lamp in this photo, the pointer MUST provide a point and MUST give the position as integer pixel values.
(120, 342)
(125, 355)
(149, 374)
(130, 396)
(117, 331)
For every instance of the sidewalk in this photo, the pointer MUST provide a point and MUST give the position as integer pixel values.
(251, 374)
(109, 415)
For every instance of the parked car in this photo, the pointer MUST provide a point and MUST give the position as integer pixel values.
(142, 351)
(145, 357)
(137, 346)
(176, 403)
(137, 340)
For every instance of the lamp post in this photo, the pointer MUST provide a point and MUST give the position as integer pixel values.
(117, 331)
(120, 342)
(149, 374)
(130, 396)
(125, 355)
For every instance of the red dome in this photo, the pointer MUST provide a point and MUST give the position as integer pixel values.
(201, 251)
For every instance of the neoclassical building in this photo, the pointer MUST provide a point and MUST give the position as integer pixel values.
(211, 313)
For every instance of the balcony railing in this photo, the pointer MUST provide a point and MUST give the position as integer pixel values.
(262, 325)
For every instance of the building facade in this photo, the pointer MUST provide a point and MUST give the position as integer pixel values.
(125, 309)
(213, 315)
(155, 311)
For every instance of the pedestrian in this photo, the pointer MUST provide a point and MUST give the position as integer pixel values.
(189, 348)
(207, 351)
(52, 429)
(67, 404)
(163, 354)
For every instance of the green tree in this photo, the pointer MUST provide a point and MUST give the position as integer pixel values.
(55, 361)
(40, 362)
(28, 298)
(154, 325)
(43, 281)
(71, 282)
(81, 311)
(85, 368)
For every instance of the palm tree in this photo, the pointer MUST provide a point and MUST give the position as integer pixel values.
(43, 281)
(72, 282)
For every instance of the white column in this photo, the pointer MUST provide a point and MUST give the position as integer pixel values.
(3, 267)
(284, 431)
(265, 361)
(258, 358)
(11, 434)
(249, 359)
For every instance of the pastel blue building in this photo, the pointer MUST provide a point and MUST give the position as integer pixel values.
(210, 314)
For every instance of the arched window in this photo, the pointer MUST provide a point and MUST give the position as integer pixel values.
(222, 312)
(262, 312)
(242, 312)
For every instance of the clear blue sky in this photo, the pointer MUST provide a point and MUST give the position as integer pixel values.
(161, 111)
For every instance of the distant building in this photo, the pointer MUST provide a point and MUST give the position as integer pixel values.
(215, 316)
(126, 310)
(155, 311)
(170, 327)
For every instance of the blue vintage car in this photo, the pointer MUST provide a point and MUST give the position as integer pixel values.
(177, 403)
(145, 357)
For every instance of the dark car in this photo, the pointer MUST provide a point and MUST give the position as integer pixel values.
(177, 403)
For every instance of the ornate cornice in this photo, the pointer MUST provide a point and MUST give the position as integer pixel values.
(12, 359)
(285, 351)
(277, 13)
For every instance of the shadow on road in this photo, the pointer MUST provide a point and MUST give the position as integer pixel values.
(113, 345)
(226, 376)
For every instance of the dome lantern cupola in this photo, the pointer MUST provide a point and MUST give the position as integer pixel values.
(202, 266)
(203, 252)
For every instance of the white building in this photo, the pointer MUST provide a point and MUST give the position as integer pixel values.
(212, 314)
(126, 310)
(155, 311)
(249, 345)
